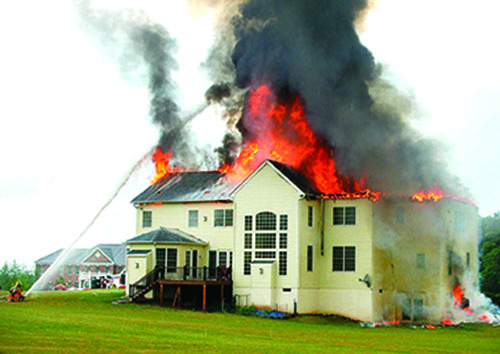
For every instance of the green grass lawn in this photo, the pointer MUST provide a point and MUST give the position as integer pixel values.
(88, 322)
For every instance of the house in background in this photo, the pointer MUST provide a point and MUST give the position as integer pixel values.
(87, 268)
(294, 249)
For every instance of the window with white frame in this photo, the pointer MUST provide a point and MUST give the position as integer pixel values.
(193, 218)
(171, 260)
(223, 217)
(344, 216)
(267, 239)
(147, 218)
(344, 259)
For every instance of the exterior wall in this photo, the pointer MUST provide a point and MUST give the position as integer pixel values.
(426, 229)
(267, 191)
(323, 290)
(137, 267)
(175, 215)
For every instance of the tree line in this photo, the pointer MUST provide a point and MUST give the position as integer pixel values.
(489, 250)
(10, 273)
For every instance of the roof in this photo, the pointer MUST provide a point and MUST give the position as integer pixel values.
(188, 187)
(296, 177)
(74, 256)
(166, 235)
(115, 252)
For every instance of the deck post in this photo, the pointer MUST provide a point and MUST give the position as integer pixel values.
(204, 297)
(221, 294)
(161, 294)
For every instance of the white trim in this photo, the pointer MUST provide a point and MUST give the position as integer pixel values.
(262, 165)
(93, 252)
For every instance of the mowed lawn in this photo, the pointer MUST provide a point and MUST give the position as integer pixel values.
(87, 321)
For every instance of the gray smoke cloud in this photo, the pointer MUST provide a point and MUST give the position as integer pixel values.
(137, 43)
(311, 48)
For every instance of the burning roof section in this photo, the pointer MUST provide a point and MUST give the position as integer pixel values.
(205, 186)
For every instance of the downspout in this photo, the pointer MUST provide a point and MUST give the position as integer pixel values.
(322, 226)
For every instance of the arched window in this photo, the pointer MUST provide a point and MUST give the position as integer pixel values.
(265, 221)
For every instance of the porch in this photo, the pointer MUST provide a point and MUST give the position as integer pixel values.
(186, 287)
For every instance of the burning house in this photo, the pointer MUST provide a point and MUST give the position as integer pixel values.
(292, 248)
(322, 197)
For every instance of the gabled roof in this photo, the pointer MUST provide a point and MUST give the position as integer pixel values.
(294, 177)
(115, 252)
(74, 256)
(188, 187)
(167, 235)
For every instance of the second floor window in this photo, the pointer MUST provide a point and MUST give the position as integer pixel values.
(344, 259)
(223, 217)
(193, 218)
(344, 216)
(147, 218)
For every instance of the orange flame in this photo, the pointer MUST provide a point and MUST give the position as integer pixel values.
(436, 194)
(162, 165)
(292, 142)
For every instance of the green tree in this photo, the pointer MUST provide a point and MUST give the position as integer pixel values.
(490, 257)
(11, 273)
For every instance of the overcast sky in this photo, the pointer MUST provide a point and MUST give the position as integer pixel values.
(72, 125)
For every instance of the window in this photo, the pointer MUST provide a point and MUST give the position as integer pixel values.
(223, 259)
(248, 222)
(420, 260)
(248, 240)
(267, 240)
(171, 260)
(418, 310)
(193, 218)
(344, 216)
(147, 218)
(282, 264)
(265, 221)
(450, 262)
(467, 260)
(283, 222)
(400, 216)
(309, 216)
(223, 217)
(406, 310)
(188, 258)
(247, 259)
(344, 259)
(309, 258)
(265, 255)
(283, 241)
(459, 221)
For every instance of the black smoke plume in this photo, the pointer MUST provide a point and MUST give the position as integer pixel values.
(135, 40)
(311, 48)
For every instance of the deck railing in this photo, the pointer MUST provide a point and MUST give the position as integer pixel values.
(185, 273)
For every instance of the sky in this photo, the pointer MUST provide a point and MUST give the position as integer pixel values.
(72, 124)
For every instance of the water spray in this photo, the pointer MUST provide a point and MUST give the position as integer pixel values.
(187, 118)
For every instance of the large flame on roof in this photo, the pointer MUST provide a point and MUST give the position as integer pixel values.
(281, 132)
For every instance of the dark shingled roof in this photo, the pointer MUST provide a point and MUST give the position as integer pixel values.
(166, 235)
(188, 187)
(296, 177)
